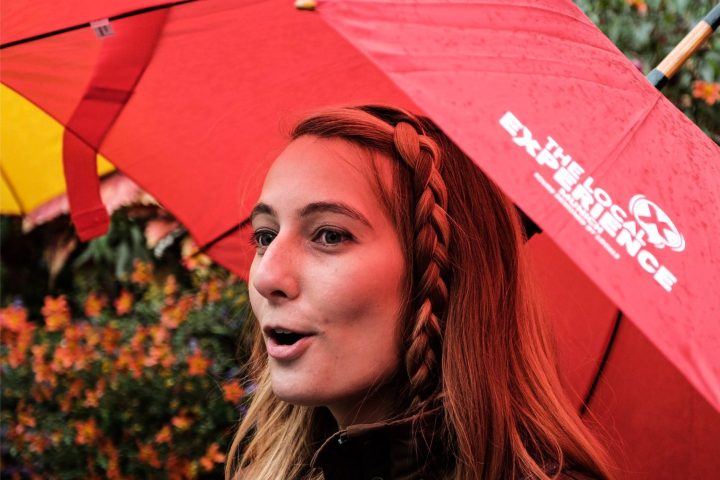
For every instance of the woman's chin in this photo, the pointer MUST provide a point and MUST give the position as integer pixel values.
(301, 396)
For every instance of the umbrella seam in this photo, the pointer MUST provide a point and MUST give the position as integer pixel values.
(35, 104)
(14, 194)
(623, 142)
(525, 5)
(564, 40)
(614, 153)
(79, 26)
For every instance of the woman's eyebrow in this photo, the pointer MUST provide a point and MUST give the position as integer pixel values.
(333, 207)
(260, 209)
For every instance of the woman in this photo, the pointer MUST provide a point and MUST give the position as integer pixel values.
(396, 333)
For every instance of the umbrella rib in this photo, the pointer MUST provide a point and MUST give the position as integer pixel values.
(87, 24)
(222, 236)
(603, 363)
(13, 192)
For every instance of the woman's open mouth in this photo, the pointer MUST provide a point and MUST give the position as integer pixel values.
(285, 337)
(283, 344)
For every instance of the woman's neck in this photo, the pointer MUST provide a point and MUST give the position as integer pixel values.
(373, 405)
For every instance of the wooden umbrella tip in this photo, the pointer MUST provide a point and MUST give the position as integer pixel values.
(305, 4)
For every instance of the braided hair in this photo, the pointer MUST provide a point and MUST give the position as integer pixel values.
(417, 157)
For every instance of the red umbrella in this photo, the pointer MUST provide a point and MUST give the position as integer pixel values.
(190, 98)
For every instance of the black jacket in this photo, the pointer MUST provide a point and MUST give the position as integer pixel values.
(386, 451)
(378, 451)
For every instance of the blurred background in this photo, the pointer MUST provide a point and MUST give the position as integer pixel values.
(121, 357)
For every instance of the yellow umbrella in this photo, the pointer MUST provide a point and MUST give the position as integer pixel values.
(30, 155)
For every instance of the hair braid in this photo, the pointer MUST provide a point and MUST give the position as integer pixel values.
(430, 263)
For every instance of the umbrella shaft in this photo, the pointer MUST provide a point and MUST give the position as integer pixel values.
(685, 49)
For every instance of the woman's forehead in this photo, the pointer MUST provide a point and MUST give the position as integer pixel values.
(324, 169)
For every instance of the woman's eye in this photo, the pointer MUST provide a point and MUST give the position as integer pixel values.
(262, 238)
(327, 236)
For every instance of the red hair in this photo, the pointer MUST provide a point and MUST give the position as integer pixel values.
(475, 344)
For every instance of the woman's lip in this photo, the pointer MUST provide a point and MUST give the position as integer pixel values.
(287, 352)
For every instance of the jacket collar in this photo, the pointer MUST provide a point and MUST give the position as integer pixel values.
(379, 451)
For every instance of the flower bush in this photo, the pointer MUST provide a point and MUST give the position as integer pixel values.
(139, 384)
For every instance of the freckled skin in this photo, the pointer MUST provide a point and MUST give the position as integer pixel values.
(347, 288)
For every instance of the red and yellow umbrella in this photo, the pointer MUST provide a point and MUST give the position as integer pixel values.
(191, 100)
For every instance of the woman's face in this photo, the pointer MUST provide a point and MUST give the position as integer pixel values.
(327, 279)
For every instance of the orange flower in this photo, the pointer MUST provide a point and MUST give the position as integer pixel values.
(92, 397)
(142, 272)
(40, 392)
(639, 5)
(211, 457)
(73, 392)
(66, 403)
(124, 303)
(76, 388)
(707, 91)
(73, 334)
(160, 335)
(87, 432)
(18, 352)
(153, 357)
(26, 418)
(137, 342)
(17, 333)
(113, 459)
(214, 290)
(171, 286)
(13, 318)
(109, 339)
(159, 354)
(164, 435)
(18, 347)
(168, 361)
(56, 313)
(38, 442)
(64, 358)
(182, 421)
(92, 335)
(149, 455)
(171, 316)
(94, 305)
(179, 468)
(197, 363)
(130, 361)
(232, 391)
(56, 437)
(42, 371)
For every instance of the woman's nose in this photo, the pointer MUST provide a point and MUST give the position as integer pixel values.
(275, 274)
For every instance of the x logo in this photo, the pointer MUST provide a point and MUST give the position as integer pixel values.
(653, 218)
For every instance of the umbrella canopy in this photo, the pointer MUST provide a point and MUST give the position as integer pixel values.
(535, 94)
(654, 422)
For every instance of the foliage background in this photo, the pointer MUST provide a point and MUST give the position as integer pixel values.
(125, 364)
(161, 399)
